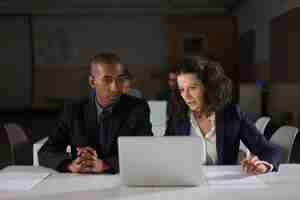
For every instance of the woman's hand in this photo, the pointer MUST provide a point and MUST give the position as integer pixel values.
(253, 166)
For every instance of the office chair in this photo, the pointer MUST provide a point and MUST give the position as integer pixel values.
(20, 148)
(5, 151)
(284, 137)
(295, 154)
(158, 116)
(262, 123)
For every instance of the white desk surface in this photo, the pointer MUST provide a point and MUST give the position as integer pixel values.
(281, 185)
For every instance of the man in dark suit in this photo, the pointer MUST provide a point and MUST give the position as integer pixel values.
(92, 126)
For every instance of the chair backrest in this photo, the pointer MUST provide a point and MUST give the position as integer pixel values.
(284, 137)
(261, 124)
(158, 116)
(295, 154)
(5, 148)
(16, 134)
(158, 130)
(19, 143)
(158, 112)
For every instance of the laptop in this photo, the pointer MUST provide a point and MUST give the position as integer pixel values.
(161, 161)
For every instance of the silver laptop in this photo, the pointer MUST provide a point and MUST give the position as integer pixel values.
(161, 161)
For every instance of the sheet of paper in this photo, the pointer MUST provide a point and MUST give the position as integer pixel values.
(234, 179)
(250, 182)
(21, 181)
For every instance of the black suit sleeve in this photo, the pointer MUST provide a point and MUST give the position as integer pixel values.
(53, 153)
(257, 143)
(141, 118)
(140, 125)
(170, 127)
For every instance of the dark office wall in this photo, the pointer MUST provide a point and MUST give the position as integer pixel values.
(258, 15)
(15, 63)
(64, 45)
(285, 42)
(71, 39)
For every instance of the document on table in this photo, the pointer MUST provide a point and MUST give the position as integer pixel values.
(21, 181)
(233, 179)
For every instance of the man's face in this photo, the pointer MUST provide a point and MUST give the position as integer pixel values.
(106, 81)
(172, 81)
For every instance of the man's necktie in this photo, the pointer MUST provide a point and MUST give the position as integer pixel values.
(103, 129)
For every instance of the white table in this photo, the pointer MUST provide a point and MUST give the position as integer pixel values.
(282, 185)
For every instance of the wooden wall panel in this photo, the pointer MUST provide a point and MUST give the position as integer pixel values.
(58, 83)
(220, 33)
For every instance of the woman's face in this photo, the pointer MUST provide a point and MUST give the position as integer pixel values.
(192, 91)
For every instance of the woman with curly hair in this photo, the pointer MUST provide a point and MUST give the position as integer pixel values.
(205, 110)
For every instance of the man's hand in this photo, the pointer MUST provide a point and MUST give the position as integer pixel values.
(251, 166)
(94, 166)
(86, 152)
(75, 166)
(87, 162)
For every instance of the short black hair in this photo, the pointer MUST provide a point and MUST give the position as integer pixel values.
(107, 58)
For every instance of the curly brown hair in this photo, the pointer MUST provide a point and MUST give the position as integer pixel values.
(211, 74)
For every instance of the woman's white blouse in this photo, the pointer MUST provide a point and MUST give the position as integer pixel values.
(210, 141)
(209, 138)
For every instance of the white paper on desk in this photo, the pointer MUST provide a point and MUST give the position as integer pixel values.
(233, 180)
(21, 181)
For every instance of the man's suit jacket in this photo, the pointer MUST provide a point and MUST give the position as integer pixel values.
(78, 127)
(231, 127)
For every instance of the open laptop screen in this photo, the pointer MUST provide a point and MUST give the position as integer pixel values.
(161, 161)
